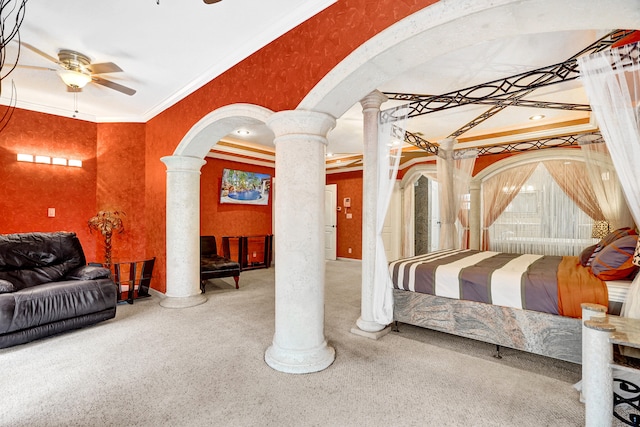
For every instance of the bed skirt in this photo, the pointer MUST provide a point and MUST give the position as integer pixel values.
(535, 332)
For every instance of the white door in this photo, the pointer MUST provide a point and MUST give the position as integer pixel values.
(330, 221)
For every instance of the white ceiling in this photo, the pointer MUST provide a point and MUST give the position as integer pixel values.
(168, 50)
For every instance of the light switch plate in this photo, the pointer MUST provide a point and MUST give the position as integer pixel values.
(51, 212)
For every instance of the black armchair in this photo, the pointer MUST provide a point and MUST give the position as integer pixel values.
(214, 266)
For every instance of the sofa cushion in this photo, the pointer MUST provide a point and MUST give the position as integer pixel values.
(6, 286)
(89, 272)
(53, 302)
(29, 259)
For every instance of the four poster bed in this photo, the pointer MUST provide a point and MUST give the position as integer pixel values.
(521, 301)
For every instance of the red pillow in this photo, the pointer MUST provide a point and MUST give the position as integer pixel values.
(615, 260)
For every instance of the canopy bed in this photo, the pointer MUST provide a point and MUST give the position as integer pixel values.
(522, 301)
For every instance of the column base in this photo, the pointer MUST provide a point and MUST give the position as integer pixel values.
(371, 335)
(300, 361)
(369, 325)
(183, 302)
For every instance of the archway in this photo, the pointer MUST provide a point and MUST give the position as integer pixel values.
(183, 198)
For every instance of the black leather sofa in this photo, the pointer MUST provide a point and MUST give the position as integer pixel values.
(47, 288)
(214, 266)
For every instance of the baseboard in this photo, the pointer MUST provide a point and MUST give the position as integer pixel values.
(348, 259)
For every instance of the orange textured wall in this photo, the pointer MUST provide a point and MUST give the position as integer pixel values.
(120, 186)
(349, 184)
(230, 219)
(28, 189)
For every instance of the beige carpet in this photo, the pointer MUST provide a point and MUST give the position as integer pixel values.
(204, 366)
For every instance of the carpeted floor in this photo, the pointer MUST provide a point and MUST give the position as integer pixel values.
(203, 366)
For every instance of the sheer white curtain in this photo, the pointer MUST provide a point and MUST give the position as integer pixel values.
(612, 82)
(541, 219)
(408, 217)
(390, 141)
(498, 192)
(606, 186)
(454, 176)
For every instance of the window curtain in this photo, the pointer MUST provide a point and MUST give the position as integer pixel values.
(572, 177)
(390, 141)
(612, 81)
(606, 185)
(497, 192)
(408, 224)
(454, 176)
(541, 219)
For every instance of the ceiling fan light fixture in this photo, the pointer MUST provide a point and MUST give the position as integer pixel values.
(74, 79)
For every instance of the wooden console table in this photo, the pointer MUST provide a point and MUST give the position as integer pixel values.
(251, 251)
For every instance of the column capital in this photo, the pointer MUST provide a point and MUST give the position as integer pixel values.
(373, 101)
(183, 163)
(293, 123)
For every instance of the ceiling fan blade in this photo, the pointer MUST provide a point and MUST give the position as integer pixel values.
(211, 1)
(113, 85)
(39, 52)
(104, 67)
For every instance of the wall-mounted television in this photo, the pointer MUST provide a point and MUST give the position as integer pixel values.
(248, 188)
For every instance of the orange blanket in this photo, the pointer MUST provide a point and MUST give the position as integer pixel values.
(576, 284)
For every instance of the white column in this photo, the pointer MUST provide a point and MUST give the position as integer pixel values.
(598, 377)
(299, 345)
(183, 232)
(475, 203)
(370, 109)
(589, 312)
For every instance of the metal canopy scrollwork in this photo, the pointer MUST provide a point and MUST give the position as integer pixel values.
(500, 94)
(632, 393)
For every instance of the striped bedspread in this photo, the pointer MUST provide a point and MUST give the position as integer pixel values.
(531, 282)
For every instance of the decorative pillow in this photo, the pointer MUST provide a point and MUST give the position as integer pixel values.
(607, 240)
(616, 234)
(6, 286)
(615, 260)
(587, 255)
(636, 255)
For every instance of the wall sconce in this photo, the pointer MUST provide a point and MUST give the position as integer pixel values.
(49, 161)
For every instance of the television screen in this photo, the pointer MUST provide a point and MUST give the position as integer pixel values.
(245, 187)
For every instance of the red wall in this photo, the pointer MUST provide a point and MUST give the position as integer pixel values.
(349, 184)
(120, 186)
(230, 219)
(28, 189)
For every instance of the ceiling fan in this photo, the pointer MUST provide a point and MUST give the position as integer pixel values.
(77, 70)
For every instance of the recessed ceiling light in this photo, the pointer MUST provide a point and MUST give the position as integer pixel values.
(243, 132)
(329, 154)
(537, 117)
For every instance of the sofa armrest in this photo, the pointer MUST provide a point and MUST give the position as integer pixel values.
(89, 272)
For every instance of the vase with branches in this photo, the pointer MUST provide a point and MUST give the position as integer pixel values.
(107, 222)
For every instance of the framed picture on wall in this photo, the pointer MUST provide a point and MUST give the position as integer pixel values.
(241, 187)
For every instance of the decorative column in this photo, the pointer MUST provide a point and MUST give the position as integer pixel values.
(474, 214)
(299, 345)
(366, 326)
(597, 380)
(589, 312)
(183, 232)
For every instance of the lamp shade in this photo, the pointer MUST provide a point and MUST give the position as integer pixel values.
(74, 79)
